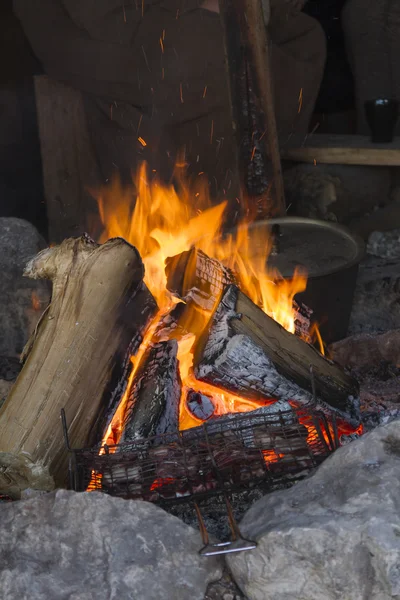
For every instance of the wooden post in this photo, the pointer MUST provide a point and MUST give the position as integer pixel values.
(68, 162)
(247, 56)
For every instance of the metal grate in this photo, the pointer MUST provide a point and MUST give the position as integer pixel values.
(220, 457)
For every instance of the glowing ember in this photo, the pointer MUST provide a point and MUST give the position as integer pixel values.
(165, 223)
(35, 301)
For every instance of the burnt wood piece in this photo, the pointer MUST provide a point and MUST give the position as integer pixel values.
(180, 320)
(252, 106)
(200, 280)
(302, 320)
(248, 353)
(153, 404)
(77, 358)
(204, 278)
(199, 405)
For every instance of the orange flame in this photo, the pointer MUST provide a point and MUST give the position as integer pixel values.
(166, 222)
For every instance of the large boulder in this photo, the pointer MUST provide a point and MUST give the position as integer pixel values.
(334, 536)
(90, 546)
(22, 300)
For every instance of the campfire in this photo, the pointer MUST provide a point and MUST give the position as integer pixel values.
(182, 362)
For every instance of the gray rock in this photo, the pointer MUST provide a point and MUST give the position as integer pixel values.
(376, 304)
(385, 244)
(22, 300)
(90, 546)
(334, 536)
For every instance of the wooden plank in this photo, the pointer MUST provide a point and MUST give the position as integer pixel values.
(342, 149)
(68, 161)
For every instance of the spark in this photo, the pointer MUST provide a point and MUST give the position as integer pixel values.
(300, 100)
(142, 8)
(139, 124)
(315, 162)
(141, 140)
(145, 58)
(123, 8)
(262, 135)
(181, 92)
(253, 153)
(205, 91)
(162, 45)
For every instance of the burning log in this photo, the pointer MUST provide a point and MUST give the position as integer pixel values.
(153, 405)
(204, 278)
(78, 357)
(201, 280)
(248, 353)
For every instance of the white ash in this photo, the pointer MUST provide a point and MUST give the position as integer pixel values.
(251, 367)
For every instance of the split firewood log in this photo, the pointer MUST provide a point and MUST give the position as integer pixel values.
(248, 353)
(153, 404)
(204, 278)
(79, 355)
(200, 281)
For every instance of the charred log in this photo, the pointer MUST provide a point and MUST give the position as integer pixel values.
(153, 405)
(275, 414)
(248, 353)
(77, 358)
(196, 273)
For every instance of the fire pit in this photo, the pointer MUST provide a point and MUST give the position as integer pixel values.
(185, 367)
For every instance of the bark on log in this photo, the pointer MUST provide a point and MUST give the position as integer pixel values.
(248, 353)
(153, 405)
(252, 106)
(78, 355)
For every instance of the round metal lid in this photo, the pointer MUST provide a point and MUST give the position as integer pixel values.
(320, 247)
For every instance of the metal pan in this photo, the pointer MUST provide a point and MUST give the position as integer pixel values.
(330, 254)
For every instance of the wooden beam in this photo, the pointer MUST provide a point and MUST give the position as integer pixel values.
(343, 150)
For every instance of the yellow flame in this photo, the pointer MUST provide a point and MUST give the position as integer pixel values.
(168, 220)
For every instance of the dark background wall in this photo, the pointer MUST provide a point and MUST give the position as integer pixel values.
(21, 189)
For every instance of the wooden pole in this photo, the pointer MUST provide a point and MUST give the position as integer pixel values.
(247, 56)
